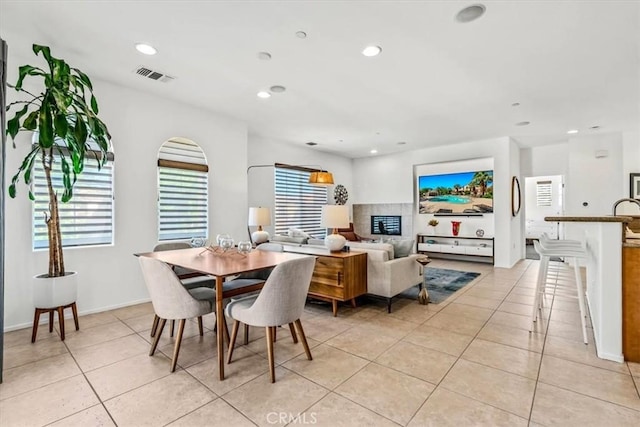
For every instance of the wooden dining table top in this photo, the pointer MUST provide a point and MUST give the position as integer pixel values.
(221, 264)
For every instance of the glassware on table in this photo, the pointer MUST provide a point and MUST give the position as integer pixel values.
(244, 247)
(197, 242)
(219, 238)
(226, 243)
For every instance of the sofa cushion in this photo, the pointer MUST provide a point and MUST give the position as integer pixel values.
(287, 239)
(402, 248)
(379, 246)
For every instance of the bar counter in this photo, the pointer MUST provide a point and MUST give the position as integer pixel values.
(604, 239)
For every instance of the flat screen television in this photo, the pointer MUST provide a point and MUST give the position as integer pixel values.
(461, 193)
(389, 225)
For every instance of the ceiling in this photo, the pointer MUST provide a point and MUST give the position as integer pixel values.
(569, 64)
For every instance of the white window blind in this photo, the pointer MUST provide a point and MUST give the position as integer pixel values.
(87, 219)
(298, 204)
(543, 193)
(182, 191)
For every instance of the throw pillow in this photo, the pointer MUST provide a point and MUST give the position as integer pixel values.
(296, 232)
(402, 248)
(350, 235)
(287, 239)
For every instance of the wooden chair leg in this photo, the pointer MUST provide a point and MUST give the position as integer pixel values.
(275, 334)
(272, 370)
(226, 333)
(246, 334)
(176, 347)
(75, 315)
(158, 335)
(171, 327)
(154, 326)
(50, 321)
(232, 343)
(36, 320)
(303, 339)
(293, 333)
(61, 321)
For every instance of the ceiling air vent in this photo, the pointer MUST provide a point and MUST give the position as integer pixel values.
(153, 75)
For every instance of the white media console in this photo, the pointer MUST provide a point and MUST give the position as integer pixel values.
(457, 247)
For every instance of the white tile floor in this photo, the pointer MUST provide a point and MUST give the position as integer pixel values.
(467, 361)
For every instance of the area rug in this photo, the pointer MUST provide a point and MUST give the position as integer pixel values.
(442, 282)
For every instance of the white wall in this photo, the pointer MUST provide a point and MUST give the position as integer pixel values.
(268, 152)
(630, 164)
(389, 179)
(139, 124)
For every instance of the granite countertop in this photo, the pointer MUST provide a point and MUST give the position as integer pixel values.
(609, 218)
(631, 243)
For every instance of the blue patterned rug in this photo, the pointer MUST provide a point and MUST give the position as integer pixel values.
(441, 283)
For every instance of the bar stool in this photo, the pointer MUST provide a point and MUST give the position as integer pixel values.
(560, 279)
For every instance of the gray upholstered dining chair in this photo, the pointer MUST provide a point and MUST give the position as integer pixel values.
(190, 279)
(280, 302)
(172, 301)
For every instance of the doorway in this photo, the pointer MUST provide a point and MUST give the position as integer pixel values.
(544, 196)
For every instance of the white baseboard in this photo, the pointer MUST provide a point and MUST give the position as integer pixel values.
(69, 314)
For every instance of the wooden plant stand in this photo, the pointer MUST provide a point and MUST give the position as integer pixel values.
(60, 310)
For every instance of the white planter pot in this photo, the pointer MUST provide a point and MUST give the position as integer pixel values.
(51, 292)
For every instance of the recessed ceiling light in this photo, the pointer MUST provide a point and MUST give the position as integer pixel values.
(515, 104)
(264, 56)
(374, 151)
(263, 94)
(523, 123)
(572, 131)
(277, 89)
(595, 127)
(311, 143)
(372, 51)
(146, 49)
(470, 13)
(301, 34)
(401, 143)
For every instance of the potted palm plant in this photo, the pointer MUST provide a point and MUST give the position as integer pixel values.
(65, 116)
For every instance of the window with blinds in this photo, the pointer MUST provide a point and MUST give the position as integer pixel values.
(87, 219)
(183, 180)
(298, 204)
(544, 193)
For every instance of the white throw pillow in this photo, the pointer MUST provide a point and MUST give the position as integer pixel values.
(296, 232)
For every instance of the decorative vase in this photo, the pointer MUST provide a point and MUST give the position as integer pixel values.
(455, 227)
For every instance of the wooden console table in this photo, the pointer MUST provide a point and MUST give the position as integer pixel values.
(338, 276)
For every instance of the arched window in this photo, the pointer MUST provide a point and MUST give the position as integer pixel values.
(183, 197)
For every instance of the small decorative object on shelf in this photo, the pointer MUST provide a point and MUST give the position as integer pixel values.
(455, 227)
(480, 232)
(433, 223)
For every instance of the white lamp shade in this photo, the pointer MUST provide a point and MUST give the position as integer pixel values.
(259, 216)
(335, 216)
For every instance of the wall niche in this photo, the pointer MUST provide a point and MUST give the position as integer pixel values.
(362, 218)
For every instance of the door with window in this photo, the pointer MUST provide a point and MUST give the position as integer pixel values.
(543, 197)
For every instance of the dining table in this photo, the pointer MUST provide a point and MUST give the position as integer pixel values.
(221, 264)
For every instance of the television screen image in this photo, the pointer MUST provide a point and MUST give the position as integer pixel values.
(389, 225)
(456, 193)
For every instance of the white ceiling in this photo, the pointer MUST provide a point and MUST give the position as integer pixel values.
(570, 65)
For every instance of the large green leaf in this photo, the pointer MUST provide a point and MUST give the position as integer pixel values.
(61, 125)
(84, 78)
(94, 104)
(31, 122)
(80, 131)
(45, 126)
(27, 70)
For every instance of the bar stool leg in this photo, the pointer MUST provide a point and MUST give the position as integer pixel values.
(540, 285)
(50, 321)
(581, 303)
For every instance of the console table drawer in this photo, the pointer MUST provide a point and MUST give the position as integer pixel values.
(479, 250)
(429, 247)
(453, 249)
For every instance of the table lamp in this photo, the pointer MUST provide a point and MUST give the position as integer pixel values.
(335, 216)
(258, 217)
